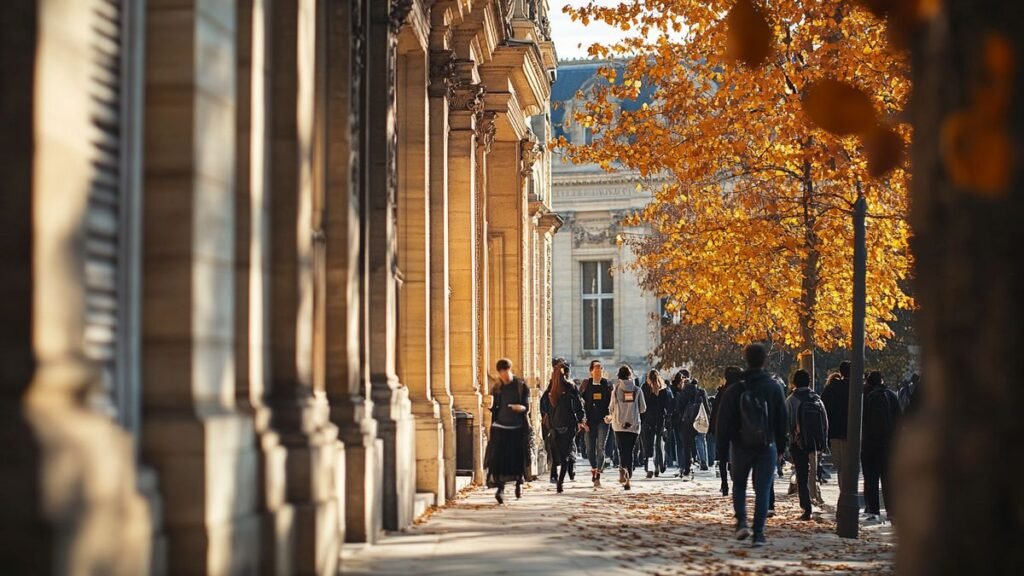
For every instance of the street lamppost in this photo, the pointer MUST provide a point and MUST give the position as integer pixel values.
(848, 513)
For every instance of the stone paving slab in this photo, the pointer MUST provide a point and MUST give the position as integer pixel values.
(663, 526)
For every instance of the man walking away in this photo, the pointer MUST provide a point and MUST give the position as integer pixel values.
(907, 392)
(881, 412)
(808, 433)
(732, 376)
(596, 392)
(752, 422)
(836, 397)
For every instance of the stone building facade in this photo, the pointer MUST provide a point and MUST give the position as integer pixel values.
(260, 257)
(600, 309)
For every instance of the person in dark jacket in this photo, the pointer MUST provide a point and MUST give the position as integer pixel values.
(596, 393)
(748, 452)
(659, 401)
(802, 456)
(565, 418)
(508, 447)
(686, 408)
(732, 376)
(881, 414)
(836, 397)
(675, 420)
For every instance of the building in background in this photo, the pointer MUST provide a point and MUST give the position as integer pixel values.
(600, 310)
(260, 258)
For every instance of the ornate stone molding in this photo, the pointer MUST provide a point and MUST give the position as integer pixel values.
(594, 232)
(442, 73)
(466, 97)
(551, 222)
(399, 13)
(530, 152)
(486, 128)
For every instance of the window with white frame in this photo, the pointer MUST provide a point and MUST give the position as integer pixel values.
(598, 306)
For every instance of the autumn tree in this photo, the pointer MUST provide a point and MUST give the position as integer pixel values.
(752, 234)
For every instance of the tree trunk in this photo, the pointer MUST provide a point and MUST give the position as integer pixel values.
(809, 277)
(958, 507)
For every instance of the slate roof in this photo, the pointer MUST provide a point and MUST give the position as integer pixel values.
(573, 76)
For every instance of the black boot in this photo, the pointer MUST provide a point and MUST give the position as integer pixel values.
(519, 489)
(499, 494)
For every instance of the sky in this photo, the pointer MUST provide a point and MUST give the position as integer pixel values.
(569, 35)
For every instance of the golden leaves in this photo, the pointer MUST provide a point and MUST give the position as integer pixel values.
(976, 146)
(749, 37)
(838, 107)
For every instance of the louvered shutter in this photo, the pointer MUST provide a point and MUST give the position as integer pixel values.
(103, 231)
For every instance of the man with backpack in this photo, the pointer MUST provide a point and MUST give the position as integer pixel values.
(808, 433)
(881, 412)
(752, 422)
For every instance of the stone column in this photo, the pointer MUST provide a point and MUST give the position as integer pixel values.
(442, 81)
(252, 282)
(486, 128)
(464, 105)
(392, 408)
(70, 500)
(414, 361)
(358, 479)
(193, 435)
(310, 441)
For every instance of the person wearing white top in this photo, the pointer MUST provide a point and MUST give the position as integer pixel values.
(624, 415)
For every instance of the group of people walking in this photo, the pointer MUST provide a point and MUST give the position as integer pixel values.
(748, 428)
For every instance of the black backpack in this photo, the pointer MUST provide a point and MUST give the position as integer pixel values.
(755, 427)
(811, 420)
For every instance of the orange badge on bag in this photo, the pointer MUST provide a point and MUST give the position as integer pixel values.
(627, 396)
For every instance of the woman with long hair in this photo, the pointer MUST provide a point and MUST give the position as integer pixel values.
(624, 415)
(658, 398)
(508, 446)
(565, 419)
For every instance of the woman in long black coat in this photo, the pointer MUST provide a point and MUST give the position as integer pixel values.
(659, 401)
(564, 412)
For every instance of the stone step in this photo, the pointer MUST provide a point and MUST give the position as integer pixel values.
(462, 482)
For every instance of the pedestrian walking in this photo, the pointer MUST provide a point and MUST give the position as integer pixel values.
(508, 447)
(732, 376)
(624, 416)
(836, 397)
(881, 414)
(679, 436)
(596, 392)
(701, 424)
(566, 416)
(907, 391)
(658, 399)
(808, 433)
(752, 422)
(691, 400)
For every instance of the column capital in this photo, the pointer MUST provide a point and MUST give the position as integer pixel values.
(530, 151)
(466, 97)
(443, 74)
(550, 222)
(398, 13)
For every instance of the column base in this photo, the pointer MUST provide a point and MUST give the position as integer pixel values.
(397, 429)
(360, 475)
(430, 473)
(207, 464)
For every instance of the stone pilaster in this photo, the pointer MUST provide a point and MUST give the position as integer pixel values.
(442, 81)
(392, 408)
(309, 439)
(465, 102)
(202, 447)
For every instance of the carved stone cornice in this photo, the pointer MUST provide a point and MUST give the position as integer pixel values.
(550, 222)
(530, 151)
(486, 128)
(443, 74)
(466, 97)
(399, 13)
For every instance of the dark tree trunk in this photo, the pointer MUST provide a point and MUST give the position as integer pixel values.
(959, 508)
(809, 275)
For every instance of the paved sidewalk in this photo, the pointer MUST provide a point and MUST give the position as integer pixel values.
(663, 526)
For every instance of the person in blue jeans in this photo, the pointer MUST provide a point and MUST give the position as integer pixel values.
(752, 421)
(596, 392)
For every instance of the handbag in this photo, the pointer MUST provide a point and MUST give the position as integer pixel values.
(701, 423)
